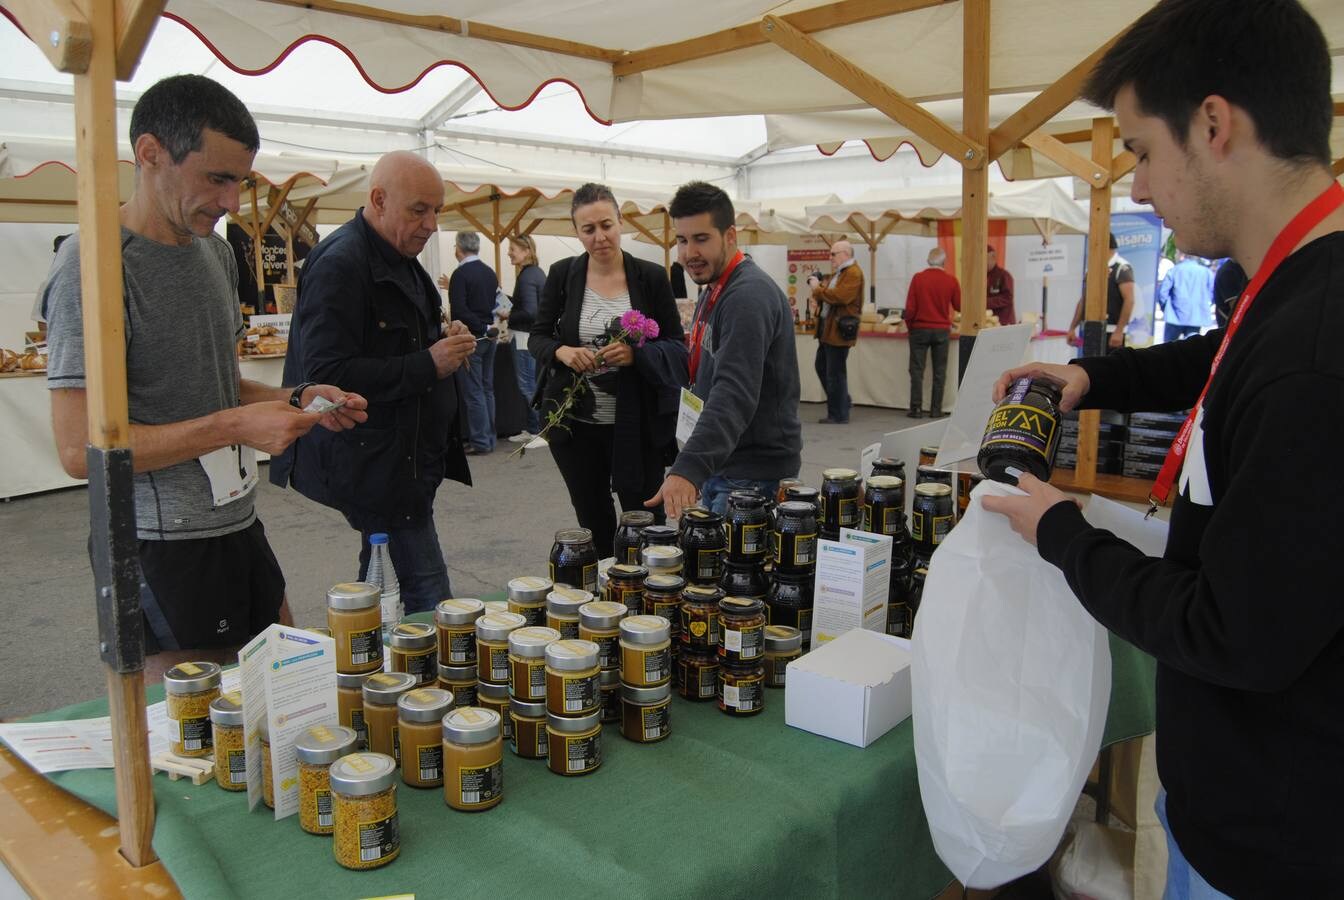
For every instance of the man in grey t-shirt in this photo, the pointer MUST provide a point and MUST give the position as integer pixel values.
(209, 580)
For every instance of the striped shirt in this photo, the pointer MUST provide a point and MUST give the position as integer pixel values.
(596, 314)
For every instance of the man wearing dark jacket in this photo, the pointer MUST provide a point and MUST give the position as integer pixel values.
(369, 315)
(1242, 610)
(471, 300)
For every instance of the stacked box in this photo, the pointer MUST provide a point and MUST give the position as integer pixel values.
(1110, 442)
(1147, 440)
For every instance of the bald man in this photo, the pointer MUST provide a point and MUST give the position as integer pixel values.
(839, 303)
(369, 315)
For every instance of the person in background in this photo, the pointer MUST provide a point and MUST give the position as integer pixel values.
(1186, 298)
(932, 296)
(471, 300)
(527, 285)
(622, 432)
(841, 298)
(1250, 652)
(39, 303)
(1119, 300)
(999, 288)
(743, 365)
(1228, 284)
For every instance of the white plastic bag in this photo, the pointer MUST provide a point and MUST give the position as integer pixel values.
(1010, 680)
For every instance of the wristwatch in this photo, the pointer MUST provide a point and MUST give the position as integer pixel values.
(296, 395)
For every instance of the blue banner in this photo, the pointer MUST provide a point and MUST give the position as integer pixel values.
(1139, 236)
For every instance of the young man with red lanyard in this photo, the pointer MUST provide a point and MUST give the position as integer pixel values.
(743, 366)
(1227, 106)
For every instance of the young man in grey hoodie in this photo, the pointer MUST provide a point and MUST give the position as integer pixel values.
(743, 365)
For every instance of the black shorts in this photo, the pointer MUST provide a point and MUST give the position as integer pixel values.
(209, 593)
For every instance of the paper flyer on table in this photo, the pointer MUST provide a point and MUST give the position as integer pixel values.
(851, 586)
(289, 681)
(49, 747)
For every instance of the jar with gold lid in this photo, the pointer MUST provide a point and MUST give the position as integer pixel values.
(414, 649)
(350, 707)
(742, 626)
(646, 650)
(189, 688)
(455, 620)
(492, 645)
(700, 618)
(783, 644)
(226, 723)
(527, 661)
(473, 759)
(600, 622)
(562, 610)
(315, 749)
(575, 743)
(625, 584)
(355, 618)
(365, 828)
(572, 680)
(645, 714)
(527, 597)
(382, 690)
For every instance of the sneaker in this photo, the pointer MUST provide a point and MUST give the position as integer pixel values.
(521, 437)
(537, 443)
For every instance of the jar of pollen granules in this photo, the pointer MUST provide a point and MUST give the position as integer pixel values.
(365, 830)
(455, 621)
(315, 749)
(189, 689)
(381, 693)
(226, 722)
(419, 713)
(473, 759)
(414, 649)
(355, 618)
(267, 781)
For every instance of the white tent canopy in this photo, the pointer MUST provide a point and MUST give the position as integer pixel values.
(1028, 207)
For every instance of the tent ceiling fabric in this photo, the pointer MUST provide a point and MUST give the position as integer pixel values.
(1026, 206)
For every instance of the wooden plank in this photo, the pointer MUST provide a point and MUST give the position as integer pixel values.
(861, 84)
(642, 229)
(518, 216)
(833, 15)
(1078, 137)
(1114, 487)
(974, 181)
(135, 23)
(304, 213)
(1122, 165)
(459, 27)
(242, 223)
(1075, 164)
(258, 236)
(1337, 169)
(869, 236)
(273, 206)
(59, 29)
(532, 226)
(476, 223)
(1098, 252)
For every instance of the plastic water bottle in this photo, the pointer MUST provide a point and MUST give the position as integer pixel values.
(382, 573)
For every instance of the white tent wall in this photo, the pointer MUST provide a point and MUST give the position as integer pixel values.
(25, 258)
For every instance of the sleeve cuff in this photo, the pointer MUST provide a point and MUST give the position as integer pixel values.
(420, 367)
(1058, 527)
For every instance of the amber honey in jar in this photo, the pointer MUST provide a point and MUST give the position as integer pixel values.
(783, 645)
(462, 683)
(600, 622)
(646, 712)
(575, 743)
(741, 689)
(365, 828)
(572, 680)
(492, 645)
(697, 675)
(414, 648)
(610, 686)
(381, 693)
(527, 661)
(705, 544)
(455, 620)
(646, 650)
(625, 584)
(419, 712)
(496, 697)
(315, 749)
(473, 759)
(350, 707)
(529, 729)
(700, 618)
(742, 626)
(356, 622)
(189, 689)
(527, 597)
(562, 610)
(226, 723)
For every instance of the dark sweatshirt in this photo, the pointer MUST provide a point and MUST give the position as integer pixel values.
(748, 378)
(1244, 610)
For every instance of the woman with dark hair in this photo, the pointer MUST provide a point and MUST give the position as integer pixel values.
(527, 286)
(622, 431)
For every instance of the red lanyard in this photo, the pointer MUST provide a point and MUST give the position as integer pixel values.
(1313, 214)
(702, 318)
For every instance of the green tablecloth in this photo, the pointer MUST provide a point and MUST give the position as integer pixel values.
(723, 807)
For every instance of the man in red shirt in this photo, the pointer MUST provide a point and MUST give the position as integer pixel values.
(999, 290)
(933, 295)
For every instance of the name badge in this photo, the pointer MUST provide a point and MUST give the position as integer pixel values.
(688, 414)
(232, 472)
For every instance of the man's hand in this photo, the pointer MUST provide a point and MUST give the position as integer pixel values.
(676, 494)
(1024, 513)
(1116, 340)
(580, 359)
(351, 413)
(269, 426)
(1074, 379)
(449, 353)
(617, 354)
(1073, 337)
(443, 282)
(456, 327)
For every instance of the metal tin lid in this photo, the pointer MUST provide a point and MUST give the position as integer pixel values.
(424, 704)
(661, 556)
(803, 493)
(665, 584)
(191, 678)
(627, 572)
(574, 536)
(782, 638)
(363, 774)
(227, 709)
(741, 606)
(472, 725)
(529, 589)
(796, 509)
(602, 615)
(412, 636)
(496, 606)
(928, 450)
(701, 593)
(383, 688)
(351, 595)
(571, 655)
(646, 696)
(658, 534)
(748, 499)
(839, 474)
(636, 517)
(934, 489)
(645, 630)
(566, 601)
(886, 482)
(457, 674)
(523, 709)
(698, 516)
(350, 682)
(573, 724)
(322, 745)
(530, 642)
(458, 611)
(496, 626)
(609, 679)
(493, 691)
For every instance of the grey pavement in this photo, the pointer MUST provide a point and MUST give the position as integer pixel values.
(499, 529)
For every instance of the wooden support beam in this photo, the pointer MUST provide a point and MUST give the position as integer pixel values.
(642, 229)
(476, 223)
(1098, 253)
(518, 216)
(892, 222)
(1122, 165)
(304, 213)
(974, 180)
(60, 30)
(273, 206)
(135, 23)
(869, 235)
(820, 18)
(258, 236)
(242, 223)
(532, 226)
(1047, 104)
(1075, 164)
(1337, 169)
(965, 150)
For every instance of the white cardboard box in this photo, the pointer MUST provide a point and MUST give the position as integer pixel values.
(854, 689)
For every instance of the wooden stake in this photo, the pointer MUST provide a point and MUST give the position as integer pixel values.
(974, 180)
(1098, 252)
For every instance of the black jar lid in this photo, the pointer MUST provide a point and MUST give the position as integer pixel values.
(699, 517)
(701, 593)
(795, 509)
(741, 606)
(747, 499)
(658, 534)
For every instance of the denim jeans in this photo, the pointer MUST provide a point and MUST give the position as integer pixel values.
(481, 396)
(417, 559)
(921, 340)
(1172, 332)
(1183, 882)
(714, 492)
(832, 367)
(525, 366)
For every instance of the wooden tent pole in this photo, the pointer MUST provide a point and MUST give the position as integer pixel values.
(974, 179)
(668, 241)
(494, 234)
(258, 236)
(1098, 252)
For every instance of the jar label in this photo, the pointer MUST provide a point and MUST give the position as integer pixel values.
(580, 694)
(323, 808)
(654, 721)
(365, 646)
(751, 539)
(632, 597)
(461, 648)
(632, 556)
(361, 729)
(192, 732)
(748, 695)
(532, 615)
(480, 784)
(424, 666)
(795, 551)
(583, 753)
(747, 643)
(896, 619)
(379, 839)
(1021, 425)
(429, 760)
(535, 686)
(849, 512)
(237, 764)
(608, 651)
(709, 564)
(941, 526)
(667, 609)
(569, 630)
(657, 666)
(499, 664)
